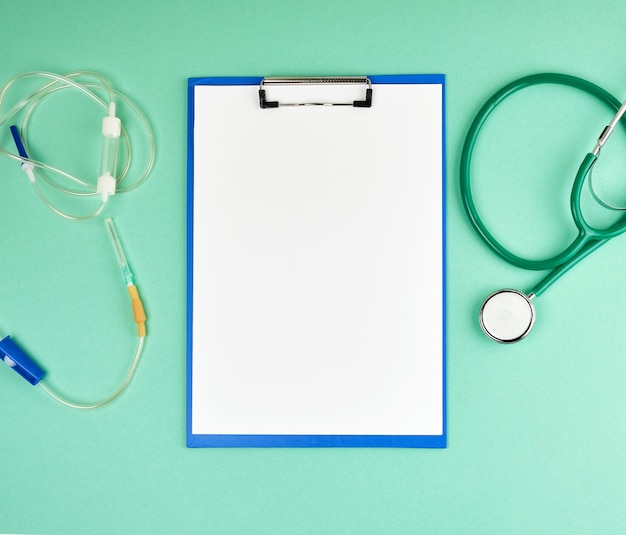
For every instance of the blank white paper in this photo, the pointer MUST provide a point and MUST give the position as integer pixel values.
(318, 265)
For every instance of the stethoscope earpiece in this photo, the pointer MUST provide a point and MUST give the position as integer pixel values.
(507, 316)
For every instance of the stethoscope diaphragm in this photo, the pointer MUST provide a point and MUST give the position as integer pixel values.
(507, 316)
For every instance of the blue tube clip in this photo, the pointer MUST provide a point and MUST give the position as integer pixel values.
(13, 356)
(18, 142)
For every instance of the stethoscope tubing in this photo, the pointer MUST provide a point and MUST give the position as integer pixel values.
(589, 238)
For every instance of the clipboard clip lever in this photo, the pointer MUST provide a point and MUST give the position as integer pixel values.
(336, 80)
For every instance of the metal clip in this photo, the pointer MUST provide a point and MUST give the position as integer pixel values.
(336, 80)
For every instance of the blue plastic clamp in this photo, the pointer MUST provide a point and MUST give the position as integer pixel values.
(13, 356)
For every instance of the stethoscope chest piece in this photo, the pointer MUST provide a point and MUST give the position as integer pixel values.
(507, 316)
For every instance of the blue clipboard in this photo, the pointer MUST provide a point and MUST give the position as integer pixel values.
(316, 262)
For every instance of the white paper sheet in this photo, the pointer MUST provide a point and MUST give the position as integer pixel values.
(317, 265)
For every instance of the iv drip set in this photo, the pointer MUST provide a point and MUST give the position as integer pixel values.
(109, 183)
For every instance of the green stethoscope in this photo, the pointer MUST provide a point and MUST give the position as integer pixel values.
(508, 315)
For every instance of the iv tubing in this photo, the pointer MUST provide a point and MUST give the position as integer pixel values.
(139, 317)
(89, 84)
(112, 397)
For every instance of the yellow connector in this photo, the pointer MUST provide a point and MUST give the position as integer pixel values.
(138, 311)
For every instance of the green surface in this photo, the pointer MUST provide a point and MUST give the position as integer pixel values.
(536, 431)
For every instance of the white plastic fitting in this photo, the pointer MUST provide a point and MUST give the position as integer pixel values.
(111, 131)
(28, 168)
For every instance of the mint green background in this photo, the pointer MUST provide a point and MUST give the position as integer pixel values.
(536, 430)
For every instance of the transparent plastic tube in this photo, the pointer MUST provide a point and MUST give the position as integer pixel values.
(108, 156)
(139, 317)
(120, 390)
(100, 91)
